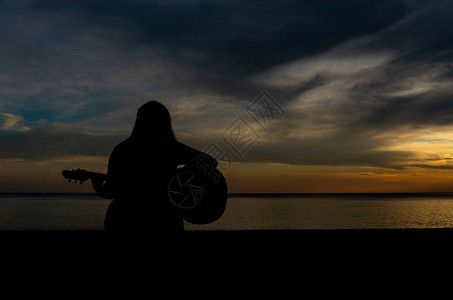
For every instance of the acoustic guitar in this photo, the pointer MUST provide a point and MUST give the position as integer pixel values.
(199, 194)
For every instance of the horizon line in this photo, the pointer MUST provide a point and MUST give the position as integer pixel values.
(257, 194)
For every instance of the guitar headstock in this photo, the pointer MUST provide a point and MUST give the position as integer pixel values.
(79, 174)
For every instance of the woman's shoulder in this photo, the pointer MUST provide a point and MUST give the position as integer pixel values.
(169, 147)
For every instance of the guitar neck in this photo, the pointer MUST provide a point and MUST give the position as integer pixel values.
(82, 175)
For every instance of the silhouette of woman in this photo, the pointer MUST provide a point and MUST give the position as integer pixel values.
(139, 170)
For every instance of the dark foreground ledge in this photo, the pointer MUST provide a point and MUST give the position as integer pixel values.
(297, 238)
(325, 247)
(372, 232)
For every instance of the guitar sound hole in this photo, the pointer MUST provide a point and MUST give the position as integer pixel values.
(186, 190)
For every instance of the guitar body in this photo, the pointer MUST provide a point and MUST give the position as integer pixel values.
(199, 195)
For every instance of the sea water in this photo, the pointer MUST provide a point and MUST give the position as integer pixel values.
(245, 212)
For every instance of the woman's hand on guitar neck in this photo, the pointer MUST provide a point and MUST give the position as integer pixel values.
(97, 180)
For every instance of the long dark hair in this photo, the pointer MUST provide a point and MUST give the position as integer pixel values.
(153, 122)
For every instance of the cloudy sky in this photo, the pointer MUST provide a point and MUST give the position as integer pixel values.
(366, 88)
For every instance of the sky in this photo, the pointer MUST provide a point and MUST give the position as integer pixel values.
(292, 96)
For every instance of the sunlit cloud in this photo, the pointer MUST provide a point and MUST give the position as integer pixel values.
(11, 122)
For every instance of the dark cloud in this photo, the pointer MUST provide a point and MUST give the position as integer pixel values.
(336, 150)
(53, 141)
(255, 33)
(414, 89)
(73, 60)
(229, 40)
(436, 167)
(424, 35)
(409, 93)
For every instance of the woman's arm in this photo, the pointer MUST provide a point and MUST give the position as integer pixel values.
(103, 184)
